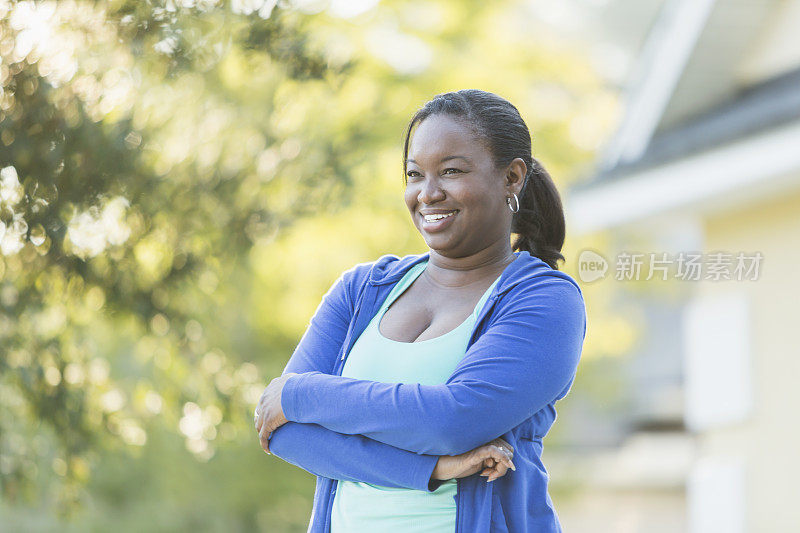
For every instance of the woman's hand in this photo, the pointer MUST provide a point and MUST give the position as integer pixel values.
(492, 459)
(269, 412)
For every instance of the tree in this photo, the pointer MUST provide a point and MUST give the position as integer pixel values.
(168, 169)
(142, 155)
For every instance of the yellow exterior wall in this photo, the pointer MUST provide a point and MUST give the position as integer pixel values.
(770, 439)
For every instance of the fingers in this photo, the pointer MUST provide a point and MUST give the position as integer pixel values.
(497, 463)
(263, 436)
(502, 444)
(499, 471)
(259, 412)
(262, 426)
(503, 457)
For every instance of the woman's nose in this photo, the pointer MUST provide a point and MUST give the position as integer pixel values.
(430, 192)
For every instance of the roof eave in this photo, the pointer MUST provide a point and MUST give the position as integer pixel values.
(739, 171)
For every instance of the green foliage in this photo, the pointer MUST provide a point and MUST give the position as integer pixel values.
(172, 175)
(137, 172)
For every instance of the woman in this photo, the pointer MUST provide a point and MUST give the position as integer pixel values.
(416, 373)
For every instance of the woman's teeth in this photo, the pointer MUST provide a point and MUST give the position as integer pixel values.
(433, 218)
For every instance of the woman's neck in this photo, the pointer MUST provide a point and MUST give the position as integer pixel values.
(448, 272)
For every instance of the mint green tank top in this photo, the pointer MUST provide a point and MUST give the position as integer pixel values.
(363, 507)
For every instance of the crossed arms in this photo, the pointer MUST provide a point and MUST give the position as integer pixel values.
(391, 434)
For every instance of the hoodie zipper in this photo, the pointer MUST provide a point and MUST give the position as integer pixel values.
(458, 505)
(338, 372)
(487, 307)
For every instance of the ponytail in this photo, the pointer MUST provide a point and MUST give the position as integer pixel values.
(539, 223)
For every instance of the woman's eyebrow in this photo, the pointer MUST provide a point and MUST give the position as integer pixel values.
(447, 158)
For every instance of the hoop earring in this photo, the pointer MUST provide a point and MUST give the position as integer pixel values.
(508, 201)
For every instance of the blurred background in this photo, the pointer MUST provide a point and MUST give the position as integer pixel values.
(169, 168)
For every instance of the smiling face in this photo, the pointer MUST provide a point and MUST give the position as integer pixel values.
(450, 171)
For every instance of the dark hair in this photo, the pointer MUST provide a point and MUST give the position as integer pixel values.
(539, 223)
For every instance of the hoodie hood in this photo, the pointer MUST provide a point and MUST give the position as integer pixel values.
(390, 268)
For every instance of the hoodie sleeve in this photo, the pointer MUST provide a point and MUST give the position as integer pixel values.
(334, 455)
(326, 453)
(526, 359)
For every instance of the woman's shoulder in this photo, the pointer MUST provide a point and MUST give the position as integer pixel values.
(541, 291)
(530, 274)
(547, 284)
(384, 269)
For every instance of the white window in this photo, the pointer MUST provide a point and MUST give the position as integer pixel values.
(717, 362)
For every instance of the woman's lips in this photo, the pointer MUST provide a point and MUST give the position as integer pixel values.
(438, 225)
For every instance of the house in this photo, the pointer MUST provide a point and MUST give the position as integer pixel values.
(706, 164)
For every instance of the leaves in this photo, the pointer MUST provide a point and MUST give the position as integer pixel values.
(172, 175)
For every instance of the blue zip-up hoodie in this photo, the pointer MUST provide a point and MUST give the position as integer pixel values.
(521, 358)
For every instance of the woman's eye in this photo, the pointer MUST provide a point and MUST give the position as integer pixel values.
(415, 174)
